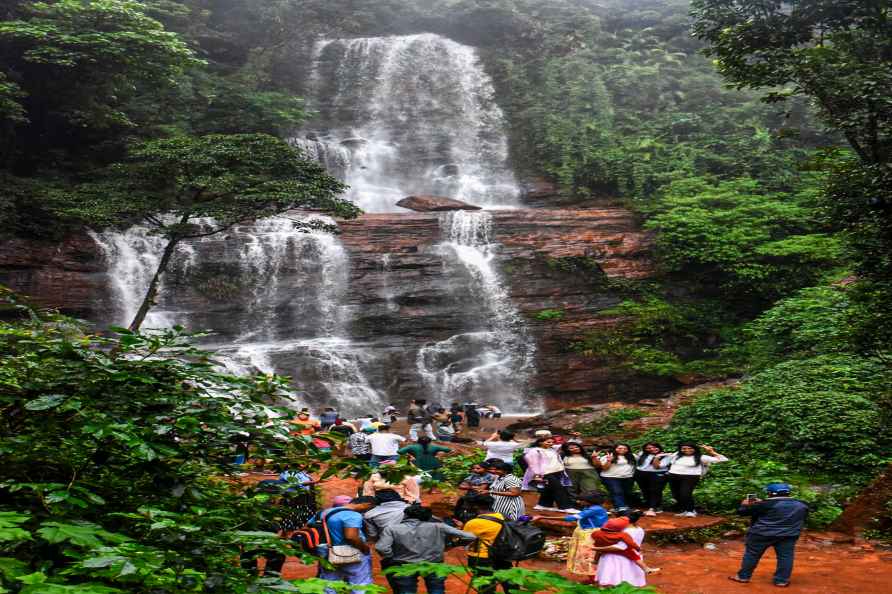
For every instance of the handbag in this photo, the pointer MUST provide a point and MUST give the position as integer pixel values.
(340, 554)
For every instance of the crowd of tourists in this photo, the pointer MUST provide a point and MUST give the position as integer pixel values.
(490, 519)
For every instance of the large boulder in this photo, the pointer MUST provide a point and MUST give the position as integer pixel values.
(434, 204)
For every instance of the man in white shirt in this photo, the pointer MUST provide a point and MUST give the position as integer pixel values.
(385, 446)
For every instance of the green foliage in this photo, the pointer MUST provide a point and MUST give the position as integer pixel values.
(656, 337)
(814, 321)
(753, 244)
(611, 423)
(522, 580)
(117, 463)
(231, 178)
(836, 53)
(822, 415)
(550, 315)
(729, 482)
(79, 64)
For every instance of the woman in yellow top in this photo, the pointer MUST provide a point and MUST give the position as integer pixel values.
(486, 531)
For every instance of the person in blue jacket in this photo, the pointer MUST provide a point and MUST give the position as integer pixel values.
(776, 522)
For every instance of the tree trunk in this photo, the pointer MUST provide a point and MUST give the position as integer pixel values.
(152, 291)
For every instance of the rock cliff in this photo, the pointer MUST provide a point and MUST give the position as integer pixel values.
(559, 266)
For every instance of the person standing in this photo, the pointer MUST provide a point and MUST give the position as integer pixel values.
(651, 479)
(417, 539)
(545, 469)
(686, 467)
(501, 446)
(408, 488)
(580, 554)
(580, 470)
(343, 525)
(419, 420)
(777, 523)
(486, 530)
(304, 425)
(425, 456)
(505, 490)
(617, 468)
(360, 445)
(615, 569)
(327, 418)
(388, 512)
(384, 445)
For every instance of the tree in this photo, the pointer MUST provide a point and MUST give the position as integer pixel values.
(837, 53)
(118, 473)
(221, 179)
(79, 63)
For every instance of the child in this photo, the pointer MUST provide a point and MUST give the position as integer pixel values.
(612, 534)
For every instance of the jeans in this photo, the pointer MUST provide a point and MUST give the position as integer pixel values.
(375, 461)
(651, 485)
(756, 545)
(355, 574)
(682, 487)
(555, 492)
(416, 427)
(409, 584)
(620, 490)
(484, 567)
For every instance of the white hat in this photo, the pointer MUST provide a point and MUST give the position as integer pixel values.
(542, 433)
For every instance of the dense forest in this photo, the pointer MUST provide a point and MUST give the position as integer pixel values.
(753, 139)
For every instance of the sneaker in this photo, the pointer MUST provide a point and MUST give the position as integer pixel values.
(650, 513)
(543, 508)
(690, 514)
(570, 510)
(738, 579)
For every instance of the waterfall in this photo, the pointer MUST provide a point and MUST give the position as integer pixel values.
(492, 365)
(133, 257)
(288, 287)
(406, 115)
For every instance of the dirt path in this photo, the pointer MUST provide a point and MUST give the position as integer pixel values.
(821, 568)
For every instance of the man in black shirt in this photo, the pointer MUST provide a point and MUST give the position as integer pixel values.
(777, 522)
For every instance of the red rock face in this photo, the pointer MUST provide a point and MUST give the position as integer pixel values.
(68, 275)
(402, 296)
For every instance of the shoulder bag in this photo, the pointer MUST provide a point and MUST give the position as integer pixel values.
(340, 554)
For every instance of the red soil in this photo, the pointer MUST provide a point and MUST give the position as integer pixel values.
(825, 563)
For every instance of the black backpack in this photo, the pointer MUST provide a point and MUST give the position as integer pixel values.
(516, 541)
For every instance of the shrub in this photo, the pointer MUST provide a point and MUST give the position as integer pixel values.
(818, 415)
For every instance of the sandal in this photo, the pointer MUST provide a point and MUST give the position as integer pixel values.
(737, 579)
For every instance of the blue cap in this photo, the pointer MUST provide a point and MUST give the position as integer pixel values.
(776, 488)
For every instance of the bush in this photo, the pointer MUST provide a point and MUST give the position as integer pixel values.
(818, 415)
(118, 469)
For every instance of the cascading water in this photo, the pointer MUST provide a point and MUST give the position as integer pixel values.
(492, 365)
(277, 327)
(396, 116)
(408, 115)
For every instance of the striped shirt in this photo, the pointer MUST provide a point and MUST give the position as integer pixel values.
(510, 507)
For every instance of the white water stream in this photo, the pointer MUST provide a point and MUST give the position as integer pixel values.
(396, 116)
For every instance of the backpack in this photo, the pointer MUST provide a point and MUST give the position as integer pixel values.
(515, 541)
(312, 535)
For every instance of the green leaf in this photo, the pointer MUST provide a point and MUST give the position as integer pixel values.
(9, 526)
(46, 402)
